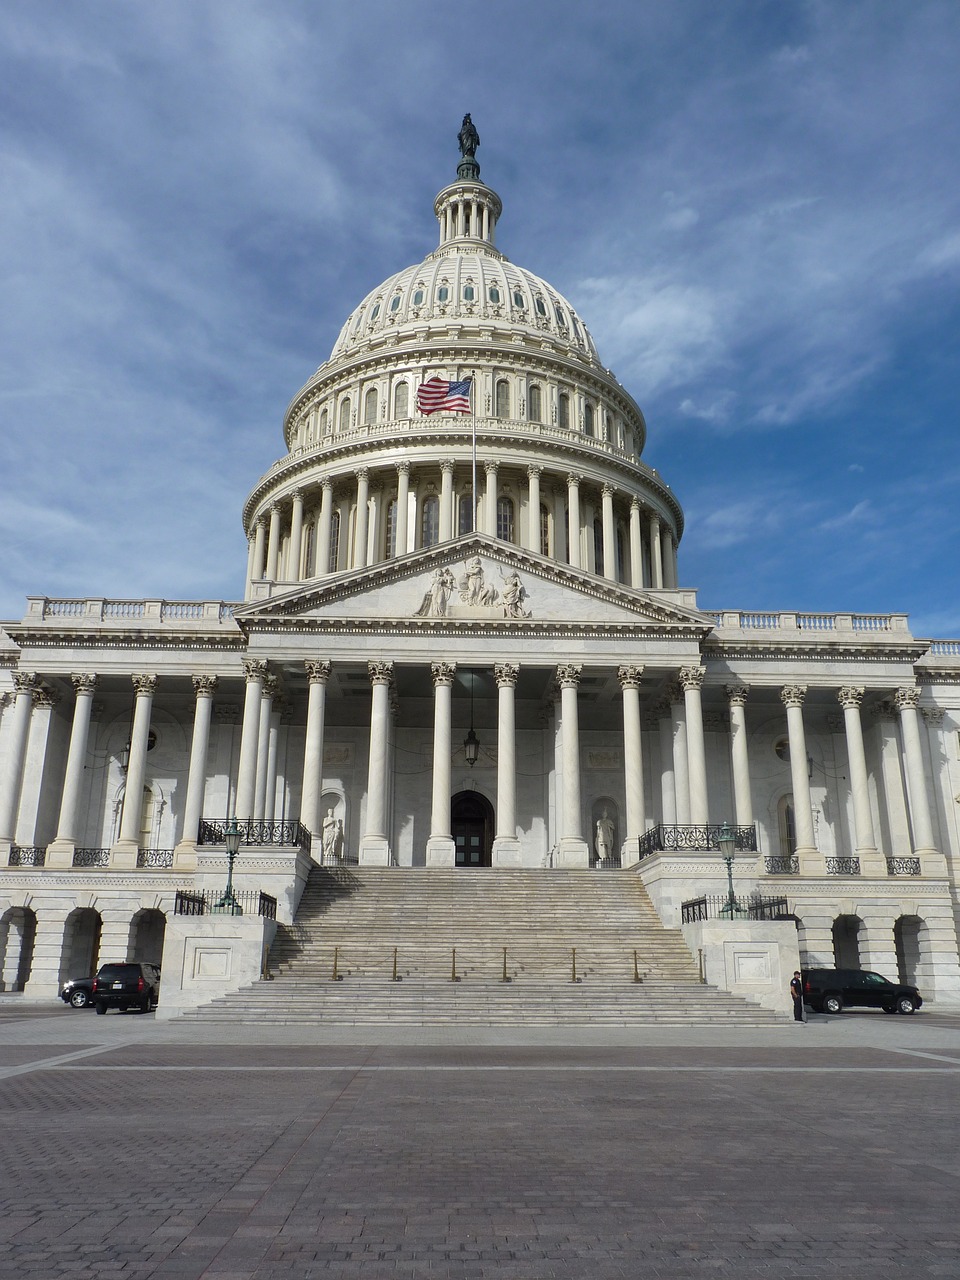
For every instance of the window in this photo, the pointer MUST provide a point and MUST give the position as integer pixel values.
(621, 554)
(309, 550)
(535, 404)
(544, 530)
(588, 419)
(443, 293)
(334, 543)
(430, 522)
(563, 411)
(345, 414)
(788, 826)
(518, 299)
(494, 294)
(598, 546)
(469, 293)
(370, 407)
(324, 423)
(465, 514)
(390, 529)
(561, 318)
(375, 312)
(541, 307)
(502, 409)
(418, 298)
(401, 400)
(395, 303)
(505, 520)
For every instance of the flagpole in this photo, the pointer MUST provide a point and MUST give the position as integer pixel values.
(473, 416)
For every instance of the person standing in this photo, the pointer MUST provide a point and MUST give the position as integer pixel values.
(796, 994)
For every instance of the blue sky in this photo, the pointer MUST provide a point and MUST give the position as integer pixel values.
(755, 206)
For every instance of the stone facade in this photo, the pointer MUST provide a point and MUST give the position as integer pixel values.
(463, 641)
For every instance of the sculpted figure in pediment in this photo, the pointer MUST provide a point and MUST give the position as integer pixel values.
(512, 597)
(435, 601)
(473, 589)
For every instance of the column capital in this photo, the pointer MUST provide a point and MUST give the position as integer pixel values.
(932, 715)
(568, 675)
(692, 677)
(673, 693)
(446, 466)
(850, 697)
(792, 695)
(608, 490)
(737, 694)
(534, 470)
(296, 493)
(144, 685)
(380, 672)
(629, 677)
(274, 508)
(907, 699)
(24, 681)
(491, 468)
(574, 480)
(271, 687)
(326, 484)
(403, 468)
(204, 686)
(254, 669)
(443, 673)
(653, 516)
(84, 682)
(44, 697)
(260, 522)
(363, 473)
(506, 675)
(317, 672)
(635, 505)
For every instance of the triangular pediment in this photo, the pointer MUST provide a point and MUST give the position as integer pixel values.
(475, 581)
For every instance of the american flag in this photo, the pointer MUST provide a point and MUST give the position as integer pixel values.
(436, 394)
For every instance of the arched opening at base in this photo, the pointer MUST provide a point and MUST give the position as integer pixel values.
(81, 944)
(471, 822)
(147, 930)
(846, 942)
(909, 937)
(18, 931)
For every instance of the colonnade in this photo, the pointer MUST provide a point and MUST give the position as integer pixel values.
(365, 518)
(683, 795)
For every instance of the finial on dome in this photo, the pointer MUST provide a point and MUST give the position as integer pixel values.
(468, 140)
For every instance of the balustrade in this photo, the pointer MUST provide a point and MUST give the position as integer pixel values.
(691, 837)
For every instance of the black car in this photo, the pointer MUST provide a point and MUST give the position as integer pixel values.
(132, 985)
(830, 990)
(78, 992)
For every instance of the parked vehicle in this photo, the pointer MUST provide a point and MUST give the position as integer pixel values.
(831, 990)
(78, 992)
(132, 985)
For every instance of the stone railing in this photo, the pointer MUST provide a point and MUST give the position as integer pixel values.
(869, 623)
(213, 831)
(206, 612)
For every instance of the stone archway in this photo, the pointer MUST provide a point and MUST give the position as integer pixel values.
(18, 931)
(147, 929)
(472, 826)
(909, 935)
(81, 944)
(846, 942)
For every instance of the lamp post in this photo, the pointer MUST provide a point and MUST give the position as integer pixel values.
(232, 840)
(727, 840)
(471, 743)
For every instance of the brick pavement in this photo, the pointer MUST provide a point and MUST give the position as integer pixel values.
(153, 1156)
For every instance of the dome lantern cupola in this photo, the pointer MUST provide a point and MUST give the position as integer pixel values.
(468, 209)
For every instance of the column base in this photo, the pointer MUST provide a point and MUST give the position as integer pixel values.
(573, 854)
(60, 854)
(123, 856)
(630, 852)
(811, 861)
(932, 863)
(872, 864)
(441, 852)
(507, 852)
(185, 856)
(374, 851)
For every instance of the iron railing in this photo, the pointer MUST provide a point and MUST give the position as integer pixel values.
(193, 902)
(691, 837)
(256, 831)
(24, 855)
(717, 907)
(782, 864)
(91, 857)
(903, 866)
(843, 866)
(155, 858)
(613, 863)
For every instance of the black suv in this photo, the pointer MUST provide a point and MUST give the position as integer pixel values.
(829, 990)
(134, 985)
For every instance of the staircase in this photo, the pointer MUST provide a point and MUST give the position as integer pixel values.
(429, 946)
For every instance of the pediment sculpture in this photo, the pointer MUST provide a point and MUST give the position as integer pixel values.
(470, 595)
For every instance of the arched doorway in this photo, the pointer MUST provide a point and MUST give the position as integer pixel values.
(18, 931)
(81, 944)
(846, 942)
(146, 936)
(909, 937)
(471, 822)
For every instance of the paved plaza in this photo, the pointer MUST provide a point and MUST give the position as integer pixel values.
(133, 1148)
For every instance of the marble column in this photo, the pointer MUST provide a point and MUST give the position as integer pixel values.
(324, 523)
(629, 678)
(204, 687)
(506, 845)
(318, 673)
(932, 861)
(124, 853)
(871, 862)
(60, 852)
(668, 782)
(440, 847)
(739, 754)
(259, 550)
(636, 545)
(255, 671)
(273, 750)
(573, 520)
(24, 684)
(810, 859)
(295, 567)
(490, 499)
(403, 506)
(656, 555)
(269, 692)
(363, 515)
(375, 844)
(533, 508)
(691, 679)
(609, 534)
(446, 499)
(573, 851)
(273, 542)
(681, 765)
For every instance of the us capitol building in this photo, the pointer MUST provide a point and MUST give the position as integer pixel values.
(464, 641)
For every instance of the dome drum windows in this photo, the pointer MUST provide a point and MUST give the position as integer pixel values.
(401, 400)
(502, 399)
(518, 300)
(344, 422)
(469, 293)
(418, 296)
(493, 293)
(430, 521)
(371, 407)
(588, 418)
(443, 294)
(506, 520)
(535, 403)
(563, 411)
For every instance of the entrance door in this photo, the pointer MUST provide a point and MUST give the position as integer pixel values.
(471, 821)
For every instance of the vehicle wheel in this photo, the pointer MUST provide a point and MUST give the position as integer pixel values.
(79, 999)
(101, 1007)
(145, 1004)
(905, 1004)
(889, 1008)
(832, 1004)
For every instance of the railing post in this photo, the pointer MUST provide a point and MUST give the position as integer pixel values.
(504, 977)
(336, 963)
(573, 954)
(396, 977)
(453, 967)
(636, 968)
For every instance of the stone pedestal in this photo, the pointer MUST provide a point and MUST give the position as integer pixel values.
(374, 851)
(507, 852)
(573, 854)
(441, 852)
(59, 855)
(123, 856)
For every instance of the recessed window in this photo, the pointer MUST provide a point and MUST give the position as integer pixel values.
(505, 519)
(563, 411)
(588, 419)
(502, 409)
(418, 298)
(544, 530)
(541, 307)
(535, 404)
(518, 298)
(390, 529)
(370, 407)
(375, 312)
(782, 749)
(401, 401)
(430, 522)
(395, 303)
(469, 293)
(465, 514)
(561, 318)
(443, 293)
(494, 295)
